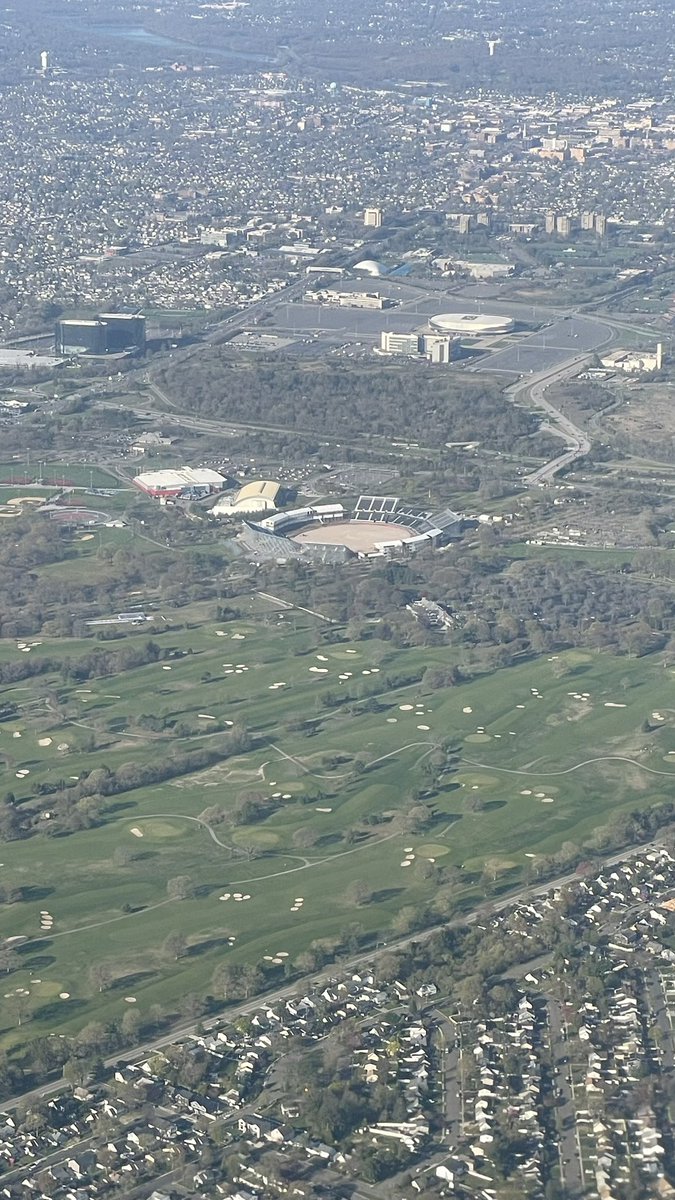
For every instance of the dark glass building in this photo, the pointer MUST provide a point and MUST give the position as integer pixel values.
(124, 331)
(80, 337)
(107, 333)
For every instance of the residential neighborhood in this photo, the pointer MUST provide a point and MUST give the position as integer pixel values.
(556, 1073)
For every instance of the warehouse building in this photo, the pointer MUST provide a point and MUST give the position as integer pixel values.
(193, 482)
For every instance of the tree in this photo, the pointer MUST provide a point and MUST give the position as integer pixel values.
(227, 980)
(132, 1025)
(358, 893)
(474, 804)
(304, 838)
(175, 945)
(100, 976)
(181, 887)
(9, 960)
(76, 1071)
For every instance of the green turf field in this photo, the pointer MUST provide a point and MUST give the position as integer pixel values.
(550, 749)
(46, 473)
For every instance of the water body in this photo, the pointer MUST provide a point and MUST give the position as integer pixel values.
(145, 37)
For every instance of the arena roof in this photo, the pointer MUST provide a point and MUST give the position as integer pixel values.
(371, 267)
(471, 324)
(259, 496)
(264, 489)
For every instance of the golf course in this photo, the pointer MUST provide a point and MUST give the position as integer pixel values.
(360, 795)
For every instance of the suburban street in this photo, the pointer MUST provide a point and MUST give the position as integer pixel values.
(571, 1168)
(446, 1042)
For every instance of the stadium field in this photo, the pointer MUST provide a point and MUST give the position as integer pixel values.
(360, 536)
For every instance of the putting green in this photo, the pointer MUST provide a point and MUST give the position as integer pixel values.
(154, 827)
(478, 737)
(431, 850)
(45, 989)
(255, 837)
(476, 779)
(495, 865)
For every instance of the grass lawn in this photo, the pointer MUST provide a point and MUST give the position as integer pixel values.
(51, 473)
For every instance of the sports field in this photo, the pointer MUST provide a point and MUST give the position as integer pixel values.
(360, 536)
(344, 738)
(56, 474)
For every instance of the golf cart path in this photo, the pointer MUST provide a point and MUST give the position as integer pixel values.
(587, 762)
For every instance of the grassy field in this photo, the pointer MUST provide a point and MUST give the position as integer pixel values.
(79, 475)
(543, 746)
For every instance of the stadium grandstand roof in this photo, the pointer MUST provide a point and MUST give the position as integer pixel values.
(445, 519)
(264, 545)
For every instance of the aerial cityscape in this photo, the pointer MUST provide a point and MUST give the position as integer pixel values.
(337, 600)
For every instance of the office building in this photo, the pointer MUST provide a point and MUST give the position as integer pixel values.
(124, 331)
(437, 348)
(107, 333)
(80, 337)
(400, 343)
(372, 218)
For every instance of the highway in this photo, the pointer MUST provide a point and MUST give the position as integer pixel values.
(531, 392)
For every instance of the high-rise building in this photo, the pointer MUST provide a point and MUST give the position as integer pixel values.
(563, 226)
(588, 220)
(600, 224)
(549, 222)
(44, 61)
(372, 218)
(464, 223)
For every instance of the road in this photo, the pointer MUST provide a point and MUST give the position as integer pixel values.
(531, 392)
(445, 1041)
(571, 1162)
(658, 1013)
